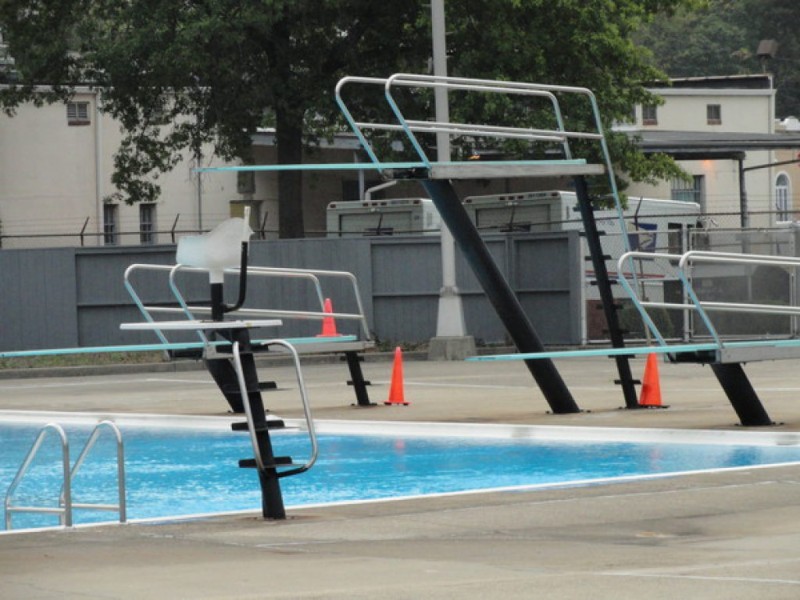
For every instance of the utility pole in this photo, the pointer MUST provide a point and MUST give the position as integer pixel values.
(451, 341)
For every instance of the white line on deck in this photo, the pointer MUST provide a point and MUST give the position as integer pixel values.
(709, 578)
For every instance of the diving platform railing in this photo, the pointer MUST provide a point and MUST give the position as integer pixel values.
(312, 276)
(66, 503)
(722, 349)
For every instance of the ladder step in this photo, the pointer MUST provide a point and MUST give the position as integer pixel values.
(279, 461)
(614, 306)
(605, 257)
(271, 424)
(633, 381)
(267, 385)
(610, 281)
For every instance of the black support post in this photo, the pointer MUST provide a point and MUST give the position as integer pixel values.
(604, 289)
(272, 506)
(500, 294)
(357, 379)
(741, 395)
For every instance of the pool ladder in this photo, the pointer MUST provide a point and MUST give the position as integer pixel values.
(65, 501)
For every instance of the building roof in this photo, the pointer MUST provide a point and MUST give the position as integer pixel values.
(698, 145)
(756, 81)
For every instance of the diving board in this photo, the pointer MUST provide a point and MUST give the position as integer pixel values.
(712, 352)
(307, 344)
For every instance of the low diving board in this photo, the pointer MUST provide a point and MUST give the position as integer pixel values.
(729, 352)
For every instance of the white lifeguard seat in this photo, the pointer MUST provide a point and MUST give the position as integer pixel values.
(217, 250)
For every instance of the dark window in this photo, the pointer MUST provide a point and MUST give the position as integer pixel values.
(110, 212)
(714, 114)
(78, 113)
(650, 114)
(147, 223)
(690, 191)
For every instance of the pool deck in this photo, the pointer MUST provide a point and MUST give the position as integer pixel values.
(720, 535)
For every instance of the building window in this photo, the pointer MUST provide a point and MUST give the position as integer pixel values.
(713, 114)
(782, 195)
(110, 219)
(649, 114)
(689, 191)
(147, 223)
(78, 113)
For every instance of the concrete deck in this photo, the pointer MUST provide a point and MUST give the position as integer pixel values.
(726, 535)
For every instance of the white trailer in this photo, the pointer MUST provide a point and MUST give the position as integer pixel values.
(395, 216)
(650, 224)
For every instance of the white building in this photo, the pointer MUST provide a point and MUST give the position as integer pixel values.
(710, 124)
(56, 163)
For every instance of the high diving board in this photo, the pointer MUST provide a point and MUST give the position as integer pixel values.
(440, 170)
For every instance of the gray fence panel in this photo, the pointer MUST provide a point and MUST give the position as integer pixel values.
(70, 297)
(549, 295)
(37, 299)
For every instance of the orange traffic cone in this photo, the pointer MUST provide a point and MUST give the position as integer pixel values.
(396, 393)
(651, 386)
(328, 324)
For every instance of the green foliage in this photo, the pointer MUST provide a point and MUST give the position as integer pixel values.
(720, 37)
(180, 75)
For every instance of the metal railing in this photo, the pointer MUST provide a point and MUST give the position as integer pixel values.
(66, 504)
(190, 311)
(681, 265)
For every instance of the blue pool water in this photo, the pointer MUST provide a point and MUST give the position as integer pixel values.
(173, 473)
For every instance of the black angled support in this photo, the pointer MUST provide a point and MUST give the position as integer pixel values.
(741, 395)
(500, 294)
(606, 295)
(357, 379)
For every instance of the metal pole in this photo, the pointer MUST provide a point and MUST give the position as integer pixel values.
(450, 318)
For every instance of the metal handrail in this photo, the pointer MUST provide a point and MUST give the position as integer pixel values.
(237, 364)
(65, 501)
(63, 510)
(121, 506)
(312, 275)
(681, 265)
(560, 134)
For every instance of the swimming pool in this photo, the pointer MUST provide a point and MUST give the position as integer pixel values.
(175, 471)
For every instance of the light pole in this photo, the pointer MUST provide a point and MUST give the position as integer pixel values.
(451, 341)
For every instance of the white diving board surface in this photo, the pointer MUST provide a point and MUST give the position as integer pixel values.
(740, 351)
(441, 170)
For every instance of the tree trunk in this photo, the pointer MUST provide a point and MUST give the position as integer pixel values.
(289, 136)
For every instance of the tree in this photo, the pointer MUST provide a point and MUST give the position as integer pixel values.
(178, 75)
(720, 37)
(572, 43)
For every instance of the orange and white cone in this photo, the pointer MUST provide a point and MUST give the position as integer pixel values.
(651, 385)
(328, 324)
(396, 392)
